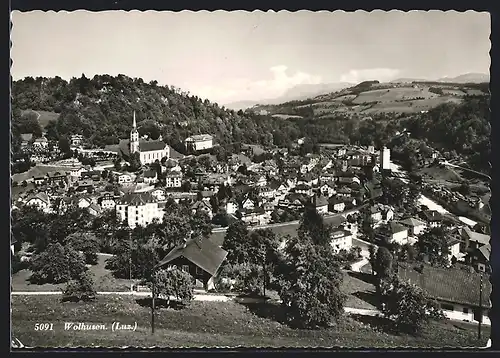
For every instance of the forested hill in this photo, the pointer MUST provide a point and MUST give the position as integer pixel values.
(101, 109)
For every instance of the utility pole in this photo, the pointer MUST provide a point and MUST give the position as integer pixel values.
(480, 318)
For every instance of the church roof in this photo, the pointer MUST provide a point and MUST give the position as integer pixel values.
(148, 146)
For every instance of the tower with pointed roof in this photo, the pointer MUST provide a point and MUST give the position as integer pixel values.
(134, 138)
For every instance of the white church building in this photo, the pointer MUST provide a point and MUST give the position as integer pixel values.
(149, 150)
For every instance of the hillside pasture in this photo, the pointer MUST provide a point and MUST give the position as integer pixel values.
(453, 92)
(393, 94)
(44, 117)
(286, 116)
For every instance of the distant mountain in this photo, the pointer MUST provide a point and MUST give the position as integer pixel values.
(467, 78)
(407, 80)
(299, 92)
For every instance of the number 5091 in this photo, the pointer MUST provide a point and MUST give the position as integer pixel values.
(44, 326)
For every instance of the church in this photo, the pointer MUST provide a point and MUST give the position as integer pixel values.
(149, 150)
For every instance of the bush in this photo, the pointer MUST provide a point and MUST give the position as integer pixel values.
(242, 278)
(80, 289)
(173, 282)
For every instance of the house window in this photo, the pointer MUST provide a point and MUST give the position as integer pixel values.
(447, 307)
(465, 310)
(185, 268)
(199, 271)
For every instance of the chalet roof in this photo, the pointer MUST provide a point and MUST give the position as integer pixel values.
(200, 204)
(412, 222)
(95, 207)
(396, 227)
(149, 146)
(334, 200)
(202, 253)
(476, 236)
(448, 284)
(41, 196)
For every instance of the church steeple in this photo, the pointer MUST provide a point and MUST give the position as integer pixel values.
(134, 137)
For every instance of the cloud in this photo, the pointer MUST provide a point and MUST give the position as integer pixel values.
(380, 74)
(238, 89)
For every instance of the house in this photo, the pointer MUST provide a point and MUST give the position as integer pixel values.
(453, 244)
(480, 258)
(200, 258)
(158, 194)
(473, 240)
(268, 207)
(39, 180)
(255, 216)
(107, 201)
(202, 206)
(150, 177)
(247, 204)
(303, 189)
(432, 217)
(321, 204)
(92, 174)
(76, 140)
(26, 139)
(344, 192)
(125, 179)
(398, 232)
(40, 201)
(267, 192)
(328, 189)
(76, 171)
(415, 226)
(56, 178)
(456, 290)
(85, 185)
(231, 207)
(336, 204)
(41, 143)
(173, 179)
(199, 142)
(341, 240)
(84, 202)
(376, 213)
(138, 209)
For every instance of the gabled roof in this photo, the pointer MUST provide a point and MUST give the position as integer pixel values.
(432, 215)
(412, 222)
(202, 253)
(448, 284)
(396, 227)
(476, 236)
(485, 250)
(148, 146)
(320, 201)
(199, 137)
(41, 196)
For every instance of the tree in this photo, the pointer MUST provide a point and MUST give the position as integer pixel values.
(80, 289)
(236, 243)
(407, 253)
(308, 283)
(407, 304)
(263, 248)
(173, 282)
(383, 263)
(313, 227)
(56, 265)
(87, 243)
(372, 252)
(433, 246)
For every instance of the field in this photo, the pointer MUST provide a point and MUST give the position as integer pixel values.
(360, 291)
(44, 118)
(393, 94)
(211, 324)
(441, 174)
(104, 281)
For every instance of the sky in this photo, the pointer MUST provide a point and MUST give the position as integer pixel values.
(233, 56)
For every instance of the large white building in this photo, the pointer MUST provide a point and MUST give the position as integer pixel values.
(138, 209)
(385, 159)
(199, 142)
(149, 151)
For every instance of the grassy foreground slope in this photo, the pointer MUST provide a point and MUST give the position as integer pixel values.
(210, 324)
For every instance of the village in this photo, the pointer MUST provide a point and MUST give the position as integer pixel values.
(263, 188)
